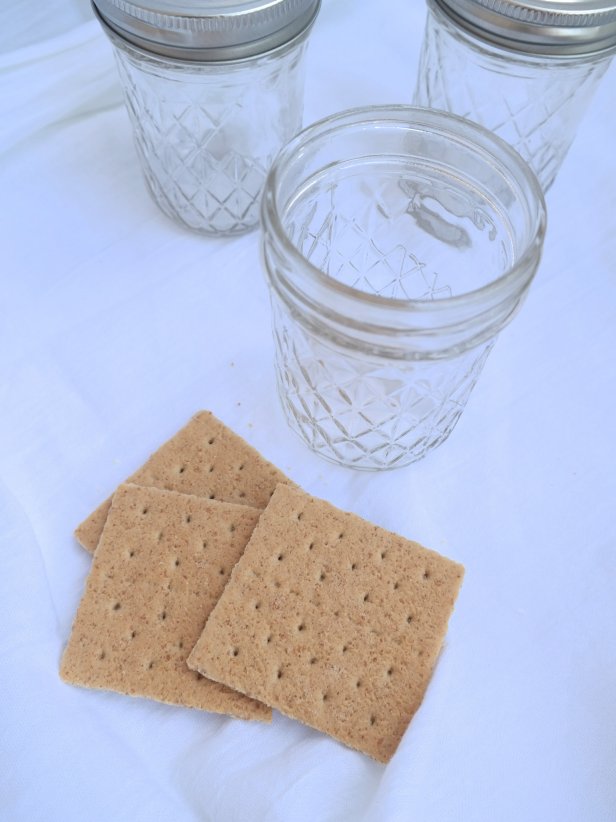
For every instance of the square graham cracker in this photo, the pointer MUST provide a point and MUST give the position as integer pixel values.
(331, 620)
(205, 458)
(161, 564)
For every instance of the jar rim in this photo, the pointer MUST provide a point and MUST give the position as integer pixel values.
(514, 278)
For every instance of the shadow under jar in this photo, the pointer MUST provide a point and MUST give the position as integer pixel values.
(525, 69)
(397, 242)
(213, 90)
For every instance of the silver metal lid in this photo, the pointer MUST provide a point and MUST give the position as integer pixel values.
(207, 30)
(539, 26)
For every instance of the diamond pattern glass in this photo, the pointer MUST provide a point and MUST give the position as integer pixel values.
(206, 135)
(534, 103)
(365, 412)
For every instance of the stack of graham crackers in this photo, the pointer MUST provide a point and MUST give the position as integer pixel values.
(218, 584)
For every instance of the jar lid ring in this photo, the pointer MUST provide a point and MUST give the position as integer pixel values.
(548, 27)
(210, 30)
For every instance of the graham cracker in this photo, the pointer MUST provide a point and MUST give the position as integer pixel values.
(331, 620)
(161, 564)
(205, 458)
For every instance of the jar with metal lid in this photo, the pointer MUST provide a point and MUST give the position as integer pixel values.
(397, 243)
(525, 69)
(213, 90)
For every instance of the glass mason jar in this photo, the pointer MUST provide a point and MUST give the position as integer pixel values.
(526, 69)
(213, 92)
(397, 242)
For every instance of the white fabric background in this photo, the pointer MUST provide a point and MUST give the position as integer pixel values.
(116, 326)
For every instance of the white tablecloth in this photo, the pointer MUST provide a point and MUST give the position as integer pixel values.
(116, 326)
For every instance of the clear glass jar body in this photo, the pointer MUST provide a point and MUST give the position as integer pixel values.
(397, 242)
(206, 133)
(534, 102)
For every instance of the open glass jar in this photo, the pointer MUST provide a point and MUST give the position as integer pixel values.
(397, 242)
(526, 69)
(213, 90)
